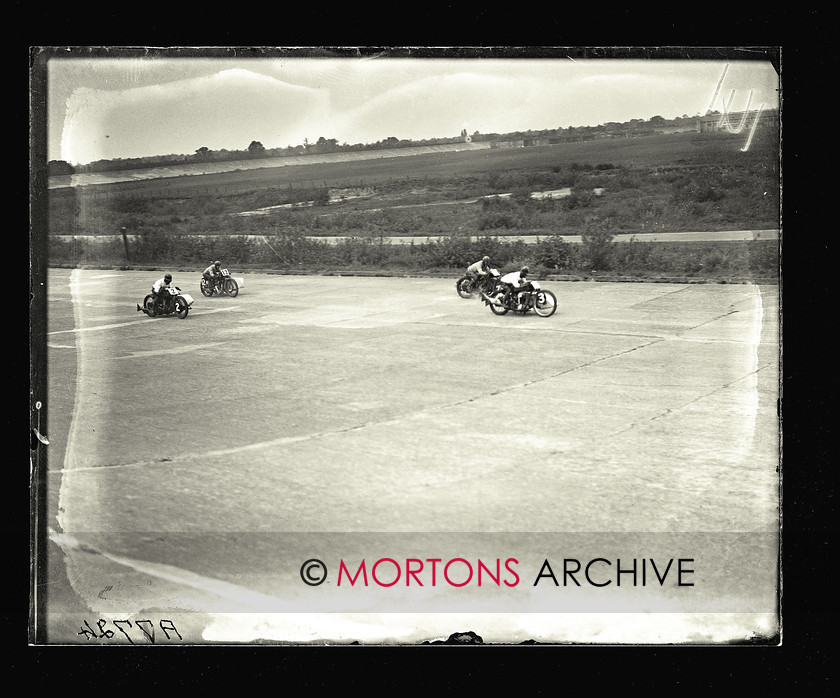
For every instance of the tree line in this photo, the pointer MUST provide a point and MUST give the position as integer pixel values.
(330, 145)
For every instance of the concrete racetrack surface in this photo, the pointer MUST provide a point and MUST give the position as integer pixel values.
(196, 464)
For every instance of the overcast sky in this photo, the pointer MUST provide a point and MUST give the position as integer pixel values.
(119, 106)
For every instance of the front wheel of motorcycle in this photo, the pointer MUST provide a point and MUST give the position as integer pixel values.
(181, 307)
(545, 303)
(231, 287)
(464, 287)
(149, 305)
(498, 309)
(206, 288)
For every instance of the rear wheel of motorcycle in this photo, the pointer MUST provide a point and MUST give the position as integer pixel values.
(545, 303)
(149, 305)
(206, 288)
(181, 306)
(231, 287)
(464, 287)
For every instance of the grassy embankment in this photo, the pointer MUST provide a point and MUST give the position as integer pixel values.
(687, 182)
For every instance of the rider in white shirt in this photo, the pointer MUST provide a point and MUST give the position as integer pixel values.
(516, 282)
(159, 286)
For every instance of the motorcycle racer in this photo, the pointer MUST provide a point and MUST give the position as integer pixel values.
(479, 268)
(516, 282)
(213, 273)
(159, 286)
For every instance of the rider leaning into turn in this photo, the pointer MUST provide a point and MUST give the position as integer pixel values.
(479, 269)
(159, 286)
(213, 273)
(516, 282)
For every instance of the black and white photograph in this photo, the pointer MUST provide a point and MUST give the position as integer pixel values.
(400, 346)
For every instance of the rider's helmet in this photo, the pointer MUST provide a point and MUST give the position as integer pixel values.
(217, 263)
(524, 271)
(486, 261)
(167, 278)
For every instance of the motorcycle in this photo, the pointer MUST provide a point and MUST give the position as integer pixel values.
(542, 301)
(467, 285)
(227, 284)
(173, 301)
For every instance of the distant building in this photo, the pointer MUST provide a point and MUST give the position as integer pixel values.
(711, 123)
(507, 144)
(637, 128)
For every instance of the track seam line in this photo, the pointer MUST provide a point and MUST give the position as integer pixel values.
(112, 326)
(308, 437)
(672, 410)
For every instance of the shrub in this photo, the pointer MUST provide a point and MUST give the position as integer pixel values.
(553, 253)
(321, 197)
(628, 180)
(633, 254)
(494, 219)
(521, 196)
(597, 245)
(579, 198)
(688, 189)
(497, 203)
(763, 257)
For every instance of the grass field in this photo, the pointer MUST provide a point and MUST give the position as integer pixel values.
(681, 182)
